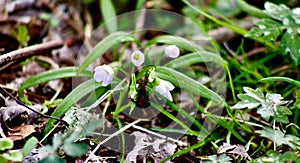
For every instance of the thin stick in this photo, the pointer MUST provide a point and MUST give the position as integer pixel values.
(13, 57)
(21, 103)
(160, 135)
(111, 136)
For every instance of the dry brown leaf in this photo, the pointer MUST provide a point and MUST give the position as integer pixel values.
(21, 132)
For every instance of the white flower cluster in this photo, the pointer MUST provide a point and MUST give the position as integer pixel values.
(104, 73)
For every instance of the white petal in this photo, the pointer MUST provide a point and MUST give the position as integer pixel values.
(99, 74)
(168, 96)
(172, 51)
(137, 58)
(103, 73)
(163, 88)
(108, 69)
(169, 86)
(160, 89)
(107, 80)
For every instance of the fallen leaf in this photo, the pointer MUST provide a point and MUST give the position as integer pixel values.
(21, 132)
(233, 149)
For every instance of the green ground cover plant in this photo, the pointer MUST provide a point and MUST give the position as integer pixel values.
(236, 100)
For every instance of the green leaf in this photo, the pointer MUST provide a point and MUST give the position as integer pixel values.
(223, 158)
(6, 143)
(22, 34)
(282, 119)
(183, 81)
(109, 15)
(78, 93)
(266, 111)
(14, 156)
(267, 28)
(278, 78)
(3, 160)
(256, 94)
(169, 115)
(75, 149)
(180, 42)
(288, 156)
(52, 158)
(226, 125)
(282, 110)
(194, 58)
(65, 72)
(290, 44)
(278, 12)
(279, 138)
(247, 102)
(29, 145)
(297, 102)
(105, 44)
(296, 15)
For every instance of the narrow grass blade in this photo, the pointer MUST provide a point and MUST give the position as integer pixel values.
(105, 44)
(78, 93)
(175, 40)
(160, 109)
(109, 15)
(65, 72)
(224, 124)
(203, 130)
(183, 81)
(193, 58)
(285, 79)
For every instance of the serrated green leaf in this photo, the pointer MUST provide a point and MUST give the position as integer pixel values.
(266, 111)
(267, 28)
(282, 110)
(290, 44)
(105, 44)
(75, 149)
(247, 102)
(282, 119)
(278, 12)
(256, 94)
(279, 138)
(29, 145)
(109, 15)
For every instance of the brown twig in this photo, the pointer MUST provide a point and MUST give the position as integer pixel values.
(29, 108)
(16, 56)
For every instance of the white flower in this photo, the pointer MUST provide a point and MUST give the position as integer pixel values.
(103, 73)
(172, 51)
(163, 88)
(137, 58)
